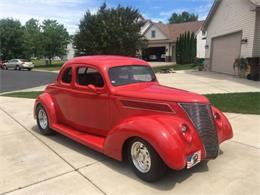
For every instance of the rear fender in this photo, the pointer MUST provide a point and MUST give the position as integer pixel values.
(164, 139)
(47, 102)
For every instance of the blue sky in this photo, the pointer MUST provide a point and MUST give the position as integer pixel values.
(69, 12)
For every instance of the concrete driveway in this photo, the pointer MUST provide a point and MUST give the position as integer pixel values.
(35, 164)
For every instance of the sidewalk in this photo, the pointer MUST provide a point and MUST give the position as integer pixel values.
(35, 164)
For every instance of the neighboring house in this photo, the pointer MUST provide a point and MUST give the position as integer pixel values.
(232, 30)
(70, 52)
(162, 38)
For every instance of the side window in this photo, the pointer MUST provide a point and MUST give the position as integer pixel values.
(153, 33)
(87, 76)
(67, 75)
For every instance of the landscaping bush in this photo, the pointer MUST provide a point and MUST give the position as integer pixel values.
(186, 48)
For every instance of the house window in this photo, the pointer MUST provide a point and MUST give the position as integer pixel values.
(153, 33)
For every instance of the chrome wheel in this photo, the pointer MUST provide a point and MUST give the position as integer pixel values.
(141, 157)
(43, 119)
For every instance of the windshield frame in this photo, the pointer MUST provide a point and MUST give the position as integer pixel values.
(154, 79)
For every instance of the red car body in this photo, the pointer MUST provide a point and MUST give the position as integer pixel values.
(176, 123)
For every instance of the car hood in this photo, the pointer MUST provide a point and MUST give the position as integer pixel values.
(155, 91)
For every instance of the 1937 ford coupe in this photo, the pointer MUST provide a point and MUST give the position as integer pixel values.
(116, 106)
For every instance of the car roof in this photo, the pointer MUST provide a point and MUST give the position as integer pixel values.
(106, 61)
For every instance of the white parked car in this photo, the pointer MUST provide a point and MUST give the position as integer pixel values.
(18, 64)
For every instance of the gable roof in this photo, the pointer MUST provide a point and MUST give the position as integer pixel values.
(215, 6)
(211, 13)
(173, 31)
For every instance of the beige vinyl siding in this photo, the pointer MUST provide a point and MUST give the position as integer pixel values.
(257, 36)
(233, 16)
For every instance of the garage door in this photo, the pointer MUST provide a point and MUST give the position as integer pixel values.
(225, 50)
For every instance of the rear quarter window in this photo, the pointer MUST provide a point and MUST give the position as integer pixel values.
(67, 75)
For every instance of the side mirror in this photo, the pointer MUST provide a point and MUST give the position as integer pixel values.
(93, 89)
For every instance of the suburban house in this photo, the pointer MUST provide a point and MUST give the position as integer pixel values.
(232, 30)
(70, 51)
(162, 38)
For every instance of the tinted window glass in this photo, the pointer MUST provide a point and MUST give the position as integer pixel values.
(67, 75)
(87, 76)
(123, 75)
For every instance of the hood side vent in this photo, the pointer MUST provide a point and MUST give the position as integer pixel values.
(147, 105)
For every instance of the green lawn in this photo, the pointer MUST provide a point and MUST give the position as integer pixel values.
(40, 64)
(157, 69)
(56, 65)
(246, 103)
(29, 94)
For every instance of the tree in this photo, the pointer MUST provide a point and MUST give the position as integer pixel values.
(186, 48)
(55, 39)
(183, 17)
(32, 39)
(110, 31)
(11, 39)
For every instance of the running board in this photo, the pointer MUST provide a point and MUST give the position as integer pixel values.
(92, 141)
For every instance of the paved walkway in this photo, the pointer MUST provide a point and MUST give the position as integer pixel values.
(35, 164)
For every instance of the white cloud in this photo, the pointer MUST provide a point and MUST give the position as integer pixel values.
(67, 12)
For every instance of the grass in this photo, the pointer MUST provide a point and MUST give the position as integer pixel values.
(246, 103)
(56, 65)
(158, 69)
(41, 65)
(29, 94)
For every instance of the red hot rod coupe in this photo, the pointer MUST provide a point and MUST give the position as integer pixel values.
(116, 106)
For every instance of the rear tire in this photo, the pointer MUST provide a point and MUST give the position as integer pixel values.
(145, 161)
(43, 121)
(17, 67)
(29, 69)
(5, 67)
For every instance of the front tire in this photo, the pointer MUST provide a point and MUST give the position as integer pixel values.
(5, 67)
(43, 121)
(145, 161)
(29, 69)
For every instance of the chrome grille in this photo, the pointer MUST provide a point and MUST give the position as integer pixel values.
(202, 119)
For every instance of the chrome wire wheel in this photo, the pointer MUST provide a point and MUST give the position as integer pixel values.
(43, 119)
(141, 157)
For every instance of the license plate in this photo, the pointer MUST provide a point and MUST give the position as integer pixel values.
(193, 159)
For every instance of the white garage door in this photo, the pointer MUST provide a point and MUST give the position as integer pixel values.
(225, 50)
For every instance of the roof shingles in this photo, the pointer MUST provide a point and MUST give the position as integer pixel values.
(173, 31)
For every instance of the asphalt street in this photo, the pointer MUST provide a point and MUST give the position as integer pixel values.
(11, 80)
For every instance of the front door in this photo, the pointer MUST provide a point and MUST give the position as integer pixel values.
(90, 108)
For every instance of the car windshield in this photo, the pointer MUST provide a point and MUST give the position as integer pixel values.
(123, 75)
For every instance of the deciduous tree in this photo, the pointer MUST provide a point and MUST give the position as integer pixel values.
(32, 39)
(183, 17)
(11, 39)
(55, 39)
(110, 31)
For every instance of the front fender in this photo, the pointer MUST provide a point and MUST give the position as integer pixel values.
(161, 131)
(224, 129)
(47, 102)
